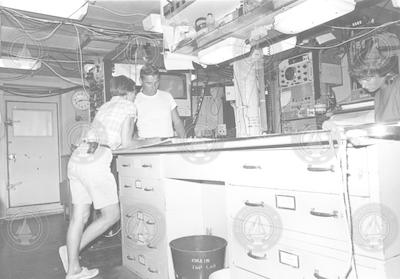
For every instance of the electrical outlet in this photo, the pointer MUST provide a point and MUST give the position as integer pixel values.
(221, 130)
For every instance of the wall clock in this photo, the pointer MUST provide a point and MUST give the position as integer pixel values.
(81, 100)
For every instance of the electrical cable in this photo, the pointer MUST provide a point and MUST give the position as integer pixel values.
(353, 38)
(87, 1)
(118, 13)
(59, 75)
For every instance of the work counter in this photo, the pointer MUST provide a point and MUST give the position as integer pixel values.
(291, 206)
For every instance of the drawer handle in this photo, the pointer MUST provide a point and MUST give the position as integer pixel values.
(151, 246)
(130, 258)
(321, 169)
(152, 270)
(127, 186)
(261, 204)
(147, 166)
(129, 237)
(251, 255)
(251, 167)
(148, 222)
(316, 275)
(148, 189)
(334, 214)
(126, 165)
(128, 215)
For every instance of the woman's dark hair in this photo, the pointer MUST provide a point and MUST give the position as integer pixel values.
(149, 70)
(121, 85)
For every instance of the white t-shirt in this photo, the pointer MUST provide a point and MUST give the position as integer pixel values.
(154, 114)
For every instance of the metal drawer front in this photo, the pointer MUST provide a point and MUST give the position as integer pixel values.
(283, 169)
(311, 213)
(139, 166)
(146, 190)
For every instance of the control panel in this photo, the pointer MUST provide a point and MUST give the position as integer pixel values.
(296, 83)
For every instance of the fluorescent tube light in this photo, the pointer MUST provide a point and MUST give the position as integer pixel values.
(306, 14)
(72, 9)
(20, 63)
(223, 51)
(280, 46)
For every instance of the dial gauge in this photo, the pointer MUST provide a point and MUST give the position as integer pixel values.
(80, 100)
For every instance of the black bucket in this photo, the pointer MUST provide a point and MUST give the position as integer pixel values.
(197, 256)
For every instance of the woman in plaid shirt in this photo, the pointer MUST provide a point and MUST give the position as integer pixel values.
(91, 180)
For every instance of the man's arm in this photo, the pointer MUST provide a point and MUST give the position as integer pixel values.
(178, 124)
(127, 131)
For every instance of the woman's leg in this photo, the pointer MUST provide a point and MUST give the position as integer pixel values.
(79, 217)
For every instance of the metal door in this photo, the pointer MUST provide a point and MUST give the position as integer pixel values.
(32, 151)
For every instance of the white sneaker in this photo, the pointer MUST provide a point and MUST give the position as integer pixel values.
(84, 274)
(62, 251)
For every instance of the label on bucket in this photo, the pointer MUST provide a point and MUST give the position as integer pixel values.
(199, 264)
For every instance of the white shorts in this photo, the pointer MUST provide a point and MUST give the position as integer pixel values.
(93, 182)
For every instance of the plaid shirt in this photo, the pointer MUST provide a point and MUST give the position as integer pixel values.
(107, 125)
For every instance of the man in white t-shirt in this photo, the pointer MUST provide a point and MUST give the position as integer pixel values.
(157, 114)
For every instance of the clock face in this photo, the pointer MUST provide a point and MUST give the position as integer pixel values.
(80, 100)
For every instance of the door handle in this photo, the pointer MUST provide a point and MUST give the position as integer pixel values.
(316, 275)
(331, 168)
(12, 157)
(334, 213)
(251, 255)
(11, 186)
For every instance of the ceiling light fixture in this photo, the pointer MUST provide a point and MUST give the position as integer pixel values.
(223, 51)
(306, 14)
(280, 46)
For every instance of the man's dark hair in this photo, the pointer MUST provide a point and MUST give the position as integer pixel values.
(121, 85)
(149, 70)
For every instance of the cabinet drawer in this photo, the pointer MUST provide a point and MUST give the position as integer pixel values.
(209, 166)
(143, 226)
(145, 264)
(145, 190)
(310, 213)
(283, 169)
(358, 172)
(139, 166)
